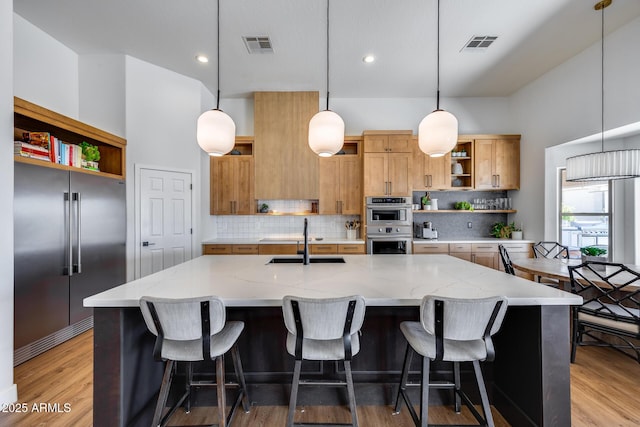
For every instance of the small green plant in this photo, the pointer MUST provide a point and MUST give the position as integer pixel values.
(593, 251)
(463, 206)
(514, 227)
(90, 152)
(264, 208)
(501, 230)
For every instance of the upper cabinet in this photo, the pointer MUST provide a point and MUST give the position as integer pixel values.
(430, 173)
(285, 166)
(232, 180)
(29, 117)
(387, 163)
(341, 181)
(497, 162)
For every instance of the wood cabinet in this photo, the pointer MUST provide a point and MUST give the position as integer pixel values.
(332, 249)
(518, 250)
(497, 162)
(278, 249)
(341, 181)
(431, 248)
(232, 181)
(479, 253)
(29, 117)
(462, 176)
(285, 166)
(230, 249)
(485, 254)
(430, 173)
(351, 248)
(387, 163)
(323, 249)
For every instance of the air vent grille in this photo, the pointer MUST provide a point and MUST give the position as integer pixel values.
(258, 44)
(479, 43)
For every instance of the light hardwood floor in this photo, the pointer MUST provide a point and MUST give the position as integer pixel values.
(605, 391)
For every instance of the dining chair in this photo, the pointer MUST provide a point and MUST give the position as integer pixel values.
(323, 329)
(506, 260)
(190, 330)
(611, 306)
(454, 330)
(550, 250)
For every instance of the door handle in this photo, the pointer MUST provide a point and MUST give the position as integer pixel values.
(147, 244)
(430, 180)
(497, 180)
(78, 199)
(68, 270)
(390, 187)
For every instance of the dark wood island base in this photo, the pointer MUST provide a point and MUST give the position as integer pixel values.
(529, 381)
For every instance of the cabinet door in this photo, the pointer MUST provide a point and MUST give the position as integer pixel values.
(222, 190)
(351, 249)
(283, 249)
(483, 164)
(376, 143)
(375, 174)
(329, 185)
(400, 143)
(507, 163)
(399, 172)
(244, 184)
(438, 169)
(487, 259)
(350, 185)
(323, 249)
(216, 249)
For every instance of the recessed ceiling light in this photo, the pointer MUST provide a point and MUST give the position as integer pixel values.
(202, 58)
(369, 59)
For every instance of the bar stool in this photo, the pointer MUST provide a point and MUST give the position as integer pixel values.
(323, 329)
(455, 330)
(190, 330)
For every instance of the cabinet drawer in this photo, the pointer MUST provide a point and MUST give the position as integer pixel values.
(459, 247)
(284, 249)
(245, 249)
(433, 248)
(216, 250)
(351, 249)
(517, 247)
(323, 249)
(484, 247)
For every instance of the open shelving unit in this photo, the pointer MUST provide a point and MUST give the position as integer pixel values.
(34, 118)
(464, 180)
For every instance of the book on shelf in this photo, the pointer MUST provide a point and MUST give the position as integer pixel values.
(32, 151)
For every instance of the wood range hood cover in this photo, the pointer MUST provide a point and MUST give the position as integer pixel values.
(285, 166)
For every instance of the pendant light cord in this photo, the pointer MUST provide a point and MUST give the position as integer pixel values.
(218, 57)
(438, 60)
(602, 79)
(328, 54)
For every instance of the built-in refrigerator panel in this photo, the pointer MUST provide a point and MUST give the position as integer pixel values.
(41, 231)
(98, 238)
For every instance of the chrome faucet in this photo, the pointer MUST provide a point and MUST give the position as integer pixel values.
(305, 251)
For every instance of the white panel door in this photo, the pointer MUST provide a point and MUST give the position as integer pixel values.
(165, 219)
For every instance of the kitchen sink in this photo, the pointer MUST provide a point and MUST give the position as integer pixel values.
(298, 260)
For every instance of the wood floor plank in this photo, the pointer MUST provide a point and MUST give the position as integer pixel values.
(605, 392)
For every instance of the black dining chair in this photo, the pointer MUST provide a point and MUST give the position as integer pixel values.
(506, 260)
(550, 250)
(611, 306)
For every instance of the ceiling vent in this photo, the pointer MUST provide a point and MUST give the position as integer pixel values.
(478, 43)
(258, 44)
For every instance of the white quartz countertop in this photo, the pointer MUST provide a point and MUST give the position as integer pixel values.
(383, 280)
(281, 241)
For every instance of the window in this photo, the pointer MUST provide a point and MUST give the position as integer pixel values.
(585, 215)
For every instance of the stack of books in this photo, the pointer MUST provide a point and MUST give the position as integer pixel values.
(44, 146)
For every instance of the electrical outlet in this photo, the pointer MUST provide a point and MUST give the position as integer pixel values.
(469, 225)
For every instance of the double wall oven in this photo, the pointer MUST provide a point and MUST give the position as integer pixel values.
(389, 222)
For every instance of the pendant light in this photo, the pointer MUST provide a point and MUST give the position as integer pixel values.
(216, 132)
(438, 131)
(603, 165)
(326, 128)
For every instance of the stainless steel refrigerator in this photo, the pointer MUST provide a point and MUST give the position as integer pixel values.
(69, 231)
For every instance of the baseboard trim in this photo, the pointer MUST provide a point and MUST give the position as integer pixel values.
(9, 395)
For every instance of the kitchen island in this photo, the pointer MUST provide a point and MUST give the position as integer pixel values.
(529, 379)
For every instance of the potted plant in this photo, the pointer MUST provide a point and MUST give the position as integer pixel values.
(516, 232)
(501, 230)
(594, 253)
(90, 156)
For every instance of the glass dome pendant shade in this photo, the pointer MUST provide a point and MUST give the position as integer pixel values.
(438, 133)
(216, 133)
(326, 133)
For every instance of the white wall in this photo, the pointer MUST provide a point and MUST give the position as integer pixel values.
(161, 112)
(564, 105)
(46, 71)
(8, 390)
(102, 92)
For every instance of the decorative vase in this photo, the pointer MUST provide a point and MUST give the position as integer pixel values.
(351, 234)
(516, 235)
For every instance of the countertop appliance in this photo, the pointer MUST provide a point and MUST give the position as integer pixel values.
(69, 243)
(426, 231)
(389, 221)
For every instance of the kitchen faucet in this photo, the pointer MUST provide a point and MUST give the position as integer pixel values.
(305, 251)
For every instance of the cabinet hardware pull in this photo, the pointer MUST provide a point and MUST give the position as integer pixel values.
(68, 271)
(498, 180)
(78, 198)
(390, 187)
(426, 180)
(430, 180)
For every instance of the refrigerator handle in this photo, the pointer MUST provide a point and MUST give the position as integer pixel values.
(67, 270)
(77, 197)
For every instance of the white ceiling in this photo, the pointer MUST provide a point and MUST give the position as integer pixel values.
(533, 37)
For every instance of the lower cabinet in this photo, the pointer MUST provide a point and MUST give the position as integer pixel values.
(222, 249)
(479, 253)
(282, 249)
